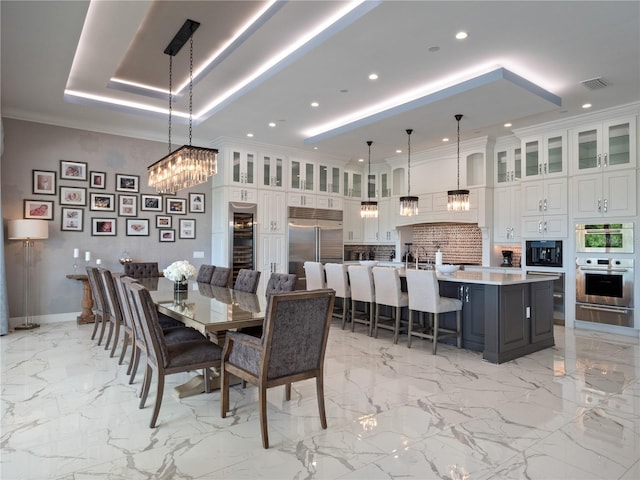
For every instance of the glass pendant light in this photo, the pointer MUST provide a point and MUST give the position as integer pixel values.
(458, 200)
(408, 204)
(369, 208)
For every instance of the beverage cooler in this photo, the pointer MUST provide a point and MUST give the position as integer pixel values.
(242, 219)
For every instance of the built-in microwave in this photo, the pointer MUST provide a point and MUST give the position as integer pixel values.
(544, 253)
(604, 238)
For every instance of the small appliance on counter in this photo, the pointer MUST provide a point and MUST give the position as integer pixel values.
(408, 256)
(544, 253)
(507, 258)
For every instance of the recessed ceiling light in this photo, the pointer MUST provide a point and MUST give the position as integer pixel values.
(373, 76)
(461, 35)
(445, 139)
(507, 125)
(315, 148)
(398, 151)
(272, 124)
(315, 104)
(249, 135)
(361, 159)
(586, 105)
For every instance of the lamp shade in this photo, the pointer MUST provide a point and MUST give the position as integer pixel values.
(27, 229)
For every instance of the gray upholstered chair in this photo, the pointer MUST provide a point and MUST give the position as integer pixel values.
(314, 273)
(280, 282)
(362, 290)
(247, 280)
(204, 273)
(291, 349)
(338, 280)
(221, 277)
(424, 296)
(115, 316)
(386, 281)
(141, 269)
(100, 308)
(167, 359)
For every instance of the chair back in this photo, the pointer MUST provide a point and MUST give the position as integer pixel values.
(221, 277)
(338, 279)
(125, 305)
(111, 295)
(423, 289)
(141, 269)
(204, 273)
(362, 286)
(296, 332)
(131, 310)
(247, 280)
(280, 282)
(314, 272)
(97, 290)
(386, 281)
(157, 351)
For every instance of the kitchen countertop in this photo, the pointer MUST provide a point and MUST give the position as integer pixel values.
(494, 278)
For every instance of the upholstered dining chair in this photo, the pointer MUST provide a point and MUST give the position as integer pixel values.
(100, 308)
(280, 282)
(314, 272)
(115, 317)
(204, 273)
(221, 277)
(424, 296)
(291, 349)
(386, 281)
(247, 280)
(141, 269)
(362, 290)
(338, 280)
(167, 359)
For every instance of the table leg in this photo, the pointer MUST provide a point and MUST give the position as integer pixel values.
(86, 316)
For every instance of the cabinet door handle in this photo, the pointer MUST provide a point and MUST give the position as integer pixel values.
(539, 205)
(508, 230)
(598, 161)
(545, 205)
(606, 160)
(512, 233)
(466, 293)
(540, 226)
(606, 205)
(599, 205)
(545, 227)
(545, 168)
(539, 169)
(461, 292)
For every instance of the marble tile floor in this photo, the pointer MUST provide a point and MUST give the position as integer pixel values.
(569, 412)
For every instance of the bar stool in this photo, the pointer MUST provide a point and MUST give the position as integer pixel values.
(424, 296)
(388, 292)
(362, 290)
(338, 280)
(314, 272)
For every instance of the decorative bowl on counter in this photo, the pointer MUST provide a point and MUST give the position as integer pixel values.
(447, 268)
(369, 263)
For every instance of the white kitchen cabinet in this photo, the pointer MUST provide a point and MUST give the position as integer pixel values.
(243, 167)
(244, 195)
(370, 228)
(272, 210)
(383, 189)
(387, 212)
(606, 146)
(329, 202)
(307, 200)
(609, 194)
(272, 170)
(329, 179)
(272, 254)
(544, 156)
(472, 169)
(352, 222)
(508, 163)
(353, 184)
(547, 226)
(544, 197)
(302, 175)
(507, 214)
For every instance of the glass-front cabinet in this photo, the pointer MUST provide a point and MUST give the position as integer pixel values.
(302, 175)
(272, 171)
(508, 163)
(329, 179)
(607, 146)
(353, 184)
(243, 169)
(544, 156)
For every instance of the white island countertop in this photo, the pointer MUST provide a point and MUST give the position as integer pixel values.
(494, 278)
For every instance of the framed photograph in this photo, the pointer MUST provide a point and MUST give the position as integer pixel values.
(103, 227)
(187, 228)
(73, 170)
(104, 202)
(72, 219)
(44, 182)
(128, 205)
(127, 183)
(138, 226)
(73, 196)
(41, 209)
(98, 180)
(176, 206)
(152, 203)
(166, 235)
(163, 221)
(196, 203)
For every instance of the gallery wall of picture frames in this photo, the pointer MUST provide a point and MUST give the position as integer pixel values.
(108, 199)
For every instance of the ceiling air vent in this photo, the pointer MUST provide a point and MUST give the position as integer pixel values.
(595, 83)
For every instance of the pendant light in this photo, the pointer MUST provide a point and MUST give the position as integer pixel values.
(458, 200)
(408, 204)
(188, 165)
(369, 208)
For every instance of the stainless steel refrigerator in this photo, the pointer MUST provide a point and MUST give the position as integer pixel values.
(314, 235)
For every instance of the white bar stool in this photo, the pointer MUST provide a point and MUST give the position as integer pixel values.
(338, 280)
(424, 296)
(388, 292)
(362, 290)
(314, 273)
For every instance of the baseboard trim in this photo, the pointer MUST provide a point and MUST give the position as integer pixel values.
(42, 319)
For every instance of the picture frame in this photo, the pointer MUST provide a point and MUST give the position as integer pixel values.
(166, 235)
(187, 228)
(98, 180)
(163, 221)
(127, 183)
(73, 170)
(44, 182)
(103, 227)
(102, 202)
(72, 219)
(40, 209)
(151, 203)
(196, 203)
(73, 196)
(127, 205)
(175, 206)
(137, 227)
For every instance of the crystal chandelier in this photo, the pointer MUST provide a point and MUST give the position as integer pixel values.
(369, 208)
(458, 200)
(188, 165)
(408, 204)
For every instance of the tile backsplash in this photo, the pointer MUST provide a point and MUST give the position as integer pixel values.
(460, 243)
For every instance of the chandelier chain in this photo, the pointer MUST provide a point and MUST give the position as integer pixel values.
(190, 86)
(170, 96)
(369, 177)
(458, 150)
(409, 131)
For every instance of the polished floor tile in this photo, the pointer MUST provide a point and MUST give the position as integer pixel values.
(568, 412)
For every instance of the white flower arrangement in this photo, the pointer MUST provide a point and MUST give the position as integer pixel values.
(179, 271)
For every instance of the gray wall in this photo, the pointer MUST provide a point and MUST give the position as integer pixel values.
(31, 146)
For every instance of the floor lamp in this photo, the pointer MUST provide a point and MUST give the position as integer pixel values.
(27, 231)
